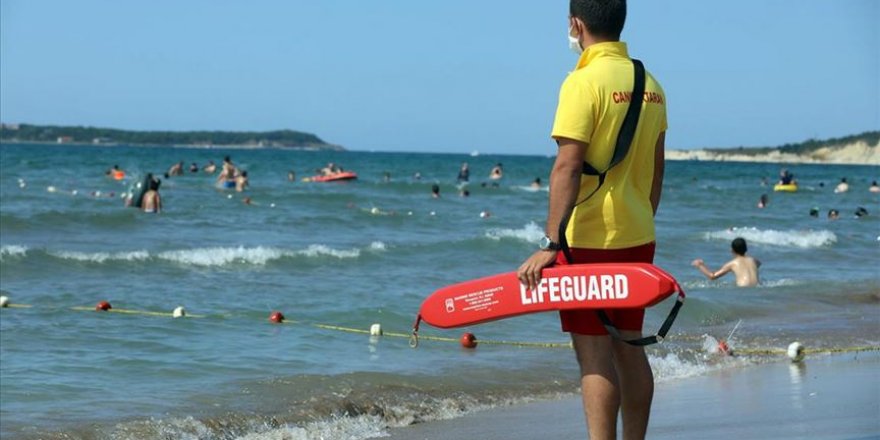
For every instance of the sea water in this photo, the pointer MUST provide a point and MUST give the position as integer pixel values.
(351, 254)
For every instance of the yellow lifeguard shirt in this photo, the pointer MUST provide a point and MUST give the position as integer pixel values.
(592, 105)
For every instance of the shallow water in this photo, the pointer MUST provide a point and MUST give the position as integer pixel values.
(355, 253)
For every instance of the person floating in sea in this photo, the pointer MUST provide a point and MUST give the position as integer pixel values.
(536, 183)
(745, 268)
(763, 201)
(194, 168)
(786, 178)
(861, 212)
(616, 223)
(435, 191)
(115, 173)
(833, 214)
(241, 181)
(331, 169)
(152, 202)
(842, 187)
(814, 212)
(497, 172)
(464, 173)
(874, 188)
(210, 168)
(175, 170)
(291, 176)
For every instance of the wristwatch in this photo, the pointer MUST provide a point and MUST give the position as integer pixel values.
(547, 244)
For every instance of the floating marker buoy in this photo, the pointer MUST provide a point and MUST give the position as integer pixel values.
(271, 205)
(468, 340)
(433, 213)
(795, 352)
(178, 312)
(374, 210)
(51, 189)
(485, 214)
(4, 301)
(376, 330)
(276, 317)
(74, 192)
(103, 306)
(724, 348)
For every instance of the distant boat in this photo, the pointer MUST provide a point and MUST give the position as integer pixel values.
(475, 153)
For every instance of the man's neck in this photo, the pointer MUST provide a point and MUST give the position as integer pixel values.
(590, 40)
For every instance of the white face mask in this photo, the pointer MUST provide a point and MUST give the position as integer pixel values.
(573, 42)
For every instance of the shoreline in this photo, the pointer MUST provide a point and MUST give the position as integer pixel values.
(824, 397)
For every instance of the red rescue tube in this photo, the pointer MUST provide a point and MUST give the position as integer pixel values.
(569, 287)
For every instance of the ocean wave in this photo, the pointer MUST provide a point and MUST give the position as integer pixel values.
(15, 251)
(791, 238)
(100, 257)
(531, 233)
(204, 257)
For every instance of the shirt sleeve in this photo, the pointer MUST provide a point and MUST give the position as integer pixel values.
(576, 112)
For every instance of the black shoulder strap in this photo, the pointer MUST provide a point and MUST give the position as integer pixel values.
(621, 148)
(630, 122)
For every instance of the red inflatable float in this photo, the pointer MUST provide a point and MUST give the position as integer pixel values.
(344, 175)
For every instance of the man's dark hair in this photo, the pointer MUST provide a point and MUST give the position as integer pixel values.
(604, 18)
(739, 246)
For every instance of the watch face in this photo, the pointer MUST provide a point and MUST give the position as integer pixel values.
(545, 242)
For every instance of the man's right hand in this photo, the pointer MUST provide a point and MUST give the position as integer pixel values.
(697, 263)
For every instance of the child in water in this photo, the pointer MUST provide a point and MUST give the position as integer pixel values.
(745, 268)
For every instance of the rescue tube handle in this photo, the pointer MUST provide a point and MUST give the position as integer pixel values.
(649, 340)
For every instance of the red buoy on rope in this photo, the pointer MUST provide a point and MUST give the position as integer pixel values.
(103, 306)
(468, 340)
(276, 317)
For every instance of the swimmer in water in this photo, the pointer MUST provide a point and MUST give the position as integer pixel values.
(861, 212)
(464, 174)
(833, 214)
(745, 268)
(152, 203)
(762, 203)
(194, 167)
(175, 170)
(842, 187)
(874, 187)
(497, 172)
(536, 183)
(228, 172)
(435, 191)
(210, 168)
(241, 181)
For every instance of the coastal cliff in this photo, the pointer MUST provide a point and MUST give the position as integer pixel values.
(861, 149)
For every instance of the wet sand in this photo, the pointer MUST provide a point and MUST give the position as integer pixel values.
(825, 397)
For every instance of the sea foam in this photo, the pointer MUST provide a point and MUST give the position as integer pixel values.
(12, 251)
(531, 233)
(790, 238)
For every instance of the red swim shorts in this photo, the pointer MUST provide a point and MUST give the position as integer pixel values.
(586, 322)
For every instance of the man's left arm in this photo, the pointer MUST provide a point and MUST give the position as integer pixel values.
(565, 182)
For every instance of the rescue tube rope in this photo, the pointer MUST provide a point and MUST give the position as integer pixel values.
(524, 344)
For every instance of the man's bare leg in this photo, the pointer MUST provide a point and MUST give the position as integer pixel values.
(599, 384)
(636, 386)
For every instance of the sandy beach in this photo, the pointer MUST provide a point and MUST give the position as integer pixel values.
(857, 153)
(825, 397)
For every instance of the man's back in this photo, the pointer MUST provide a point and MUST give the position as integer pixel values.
(746, 270)
(592, 105)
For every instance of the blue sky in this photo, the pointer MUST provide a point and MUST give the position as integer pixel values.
(452, 75)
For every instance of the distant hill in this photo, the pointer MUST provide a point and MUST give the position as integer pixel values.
(110, 136)
(859, 149)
